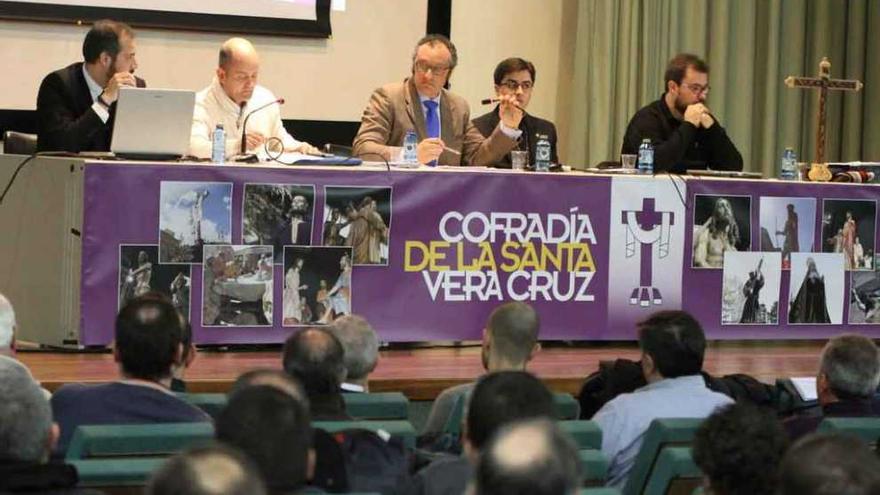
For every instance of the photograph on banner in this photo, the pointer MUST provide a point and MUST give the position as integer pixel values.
(864, 298)
(278, 215)
(788, 225)
(358, 217)
(237, 284)
(750, 288)
(191, 216)
(816, 289)
(848, 227)
(317, 285)
(140, 273)
(721, 224)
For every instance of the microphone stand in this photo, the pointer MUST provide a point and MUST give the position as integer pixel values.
(244, 156)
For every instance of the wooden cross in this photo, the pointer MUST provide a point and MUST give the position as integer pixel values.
(823, 83)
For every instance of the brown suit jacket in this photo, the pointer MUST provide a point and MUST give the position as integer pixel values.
(395, 109)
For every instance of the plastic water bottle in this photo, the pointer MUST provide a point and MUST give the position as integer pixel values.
(218, 145)
(542, 154)
(646, 157)
(410, 142)
(788, 169)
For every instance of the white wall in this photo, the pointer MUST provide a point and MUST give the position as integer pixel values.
(327, 79)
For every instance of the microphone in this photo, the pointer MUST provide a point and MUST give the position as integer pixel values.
(243, 149)
(489, 101)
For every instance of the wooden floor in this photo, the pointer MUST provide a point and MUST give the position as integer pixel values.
(422, 373)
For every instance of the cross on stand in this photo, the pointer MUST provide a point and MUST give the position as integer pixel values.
(646, 222)
(823, 83)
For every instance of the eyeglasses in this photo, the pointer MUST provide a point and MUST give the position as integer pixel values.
(424, 67)
(696, 88)
(514, 85)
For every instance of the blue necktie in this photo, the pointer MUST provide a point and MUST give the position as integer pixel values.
(432, 123)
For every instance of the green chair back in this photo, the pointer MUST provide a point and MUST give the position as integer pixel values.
(567, 407)
(396, 428)
(594, 467)
(116, 472)
(598, 491)
(674, 473)
(586, 434)
(377, 405)
(868, 429)
(210, 403)
(101, 441)
(661, 433)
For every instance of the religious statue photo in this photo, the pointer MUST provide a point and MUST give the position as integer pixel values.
(192, 215)
(237, 286)
(317, 284)
(359, 217)
(864, 300)
(787, 226)
(721, 224)
(278, 215)
(848, 227)
(816, 289)
(140, 273)
(750, 288)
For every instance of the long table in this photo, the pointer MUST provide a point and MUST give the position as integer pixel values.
(594, 254)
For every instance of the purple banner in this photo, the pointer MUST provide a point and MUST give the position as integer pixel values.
(433, 252)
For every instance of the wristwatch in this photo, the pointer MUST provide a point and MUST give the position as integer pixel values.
(100, 101)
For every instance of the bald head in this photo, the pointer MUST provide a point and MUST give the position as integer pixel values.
(512, 334)
(209, 470)
(7, 325)
(315, 357)
(237, 69)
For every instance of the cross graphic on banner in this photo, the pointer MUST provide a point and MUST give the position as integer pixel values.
(646, 228)
(823, 83)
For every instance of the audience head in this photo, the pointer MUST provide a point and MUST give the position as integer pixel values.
(515, 76)
(273, 429)
(686, 81)
(148, 338)
(532, 456)
(360, 344)
(672, 344)
(237, 69)
(501, 398)
(315, 357)
(433, 60)
(848, 369)
(738, 448)
(273, 378)
(510, 339)
(7, 326)
(188, 349)
(27, 433)
(829, 464)
(210, 470)
(109, 45)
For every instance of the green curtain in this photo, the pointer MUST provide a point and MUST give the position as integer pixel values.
(622, 47)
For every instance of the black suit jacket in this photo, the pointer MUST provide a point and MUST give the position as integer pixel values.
(531, 127)
(65, 118)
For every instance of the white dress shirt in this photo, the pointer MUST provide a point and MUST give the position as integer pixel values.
(213, 106)
(95, 90)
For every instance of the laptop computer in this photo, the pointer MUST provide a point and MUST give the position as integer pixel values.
(152, 124)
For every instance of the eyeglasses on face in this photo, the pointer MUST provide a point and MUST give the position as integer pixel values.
(514, 85)
(424, 67)
(697, 88)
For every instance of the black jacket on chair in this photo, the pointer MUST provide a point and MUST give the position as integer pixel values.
(65, 117)
(531, 127)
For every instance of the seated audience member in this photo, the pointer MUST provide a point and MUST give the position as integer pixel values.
(273, 378)
(147, 346)
(232, 95)
(683, 131)
(76, 104)
(440, 118)
(7, 327)
(498, 399)
(672, 345)
(532, 456)
(178, 383)
(361, 350)
(27, 435)
(515, 76)
(849, 372)
(510, 340)
(739, 449)
(829, 464)
(274, 431)
(210, 470)
(315, 357)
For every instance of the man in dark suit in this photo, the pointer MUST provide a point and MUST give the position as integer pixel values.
(76, 104)
(516, 77)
